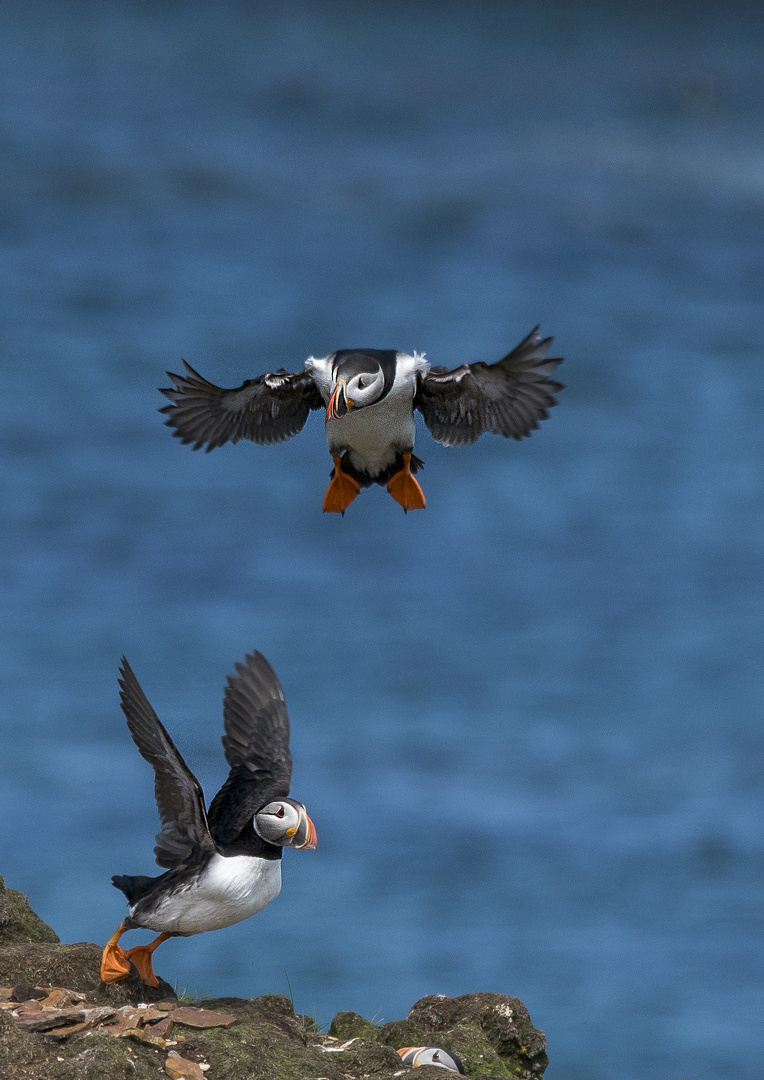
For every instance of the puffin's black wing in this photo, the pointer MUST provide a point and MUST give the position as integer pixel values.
(506, 398)
(256, 744)
(269, 409)
(179, 797)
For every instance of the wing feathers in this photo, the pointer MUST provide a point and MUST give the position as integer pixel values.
(507, 398)
(268, 409)
(178, 795)
(256, 745)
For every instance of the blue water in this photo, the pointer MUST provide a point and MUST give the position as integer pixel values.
(528, 721)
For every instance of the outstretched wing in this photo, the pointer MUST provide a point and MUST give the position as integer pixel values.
(269, 409)
(506, 398)
(179, 797)
(256, 744)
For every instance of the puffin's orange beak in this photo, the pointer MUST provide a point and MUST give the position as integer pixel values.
(308, 829)
(338, 402)
(312, 843)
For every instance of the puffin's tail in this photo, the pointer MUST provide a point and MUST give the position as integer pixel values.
(132, 887)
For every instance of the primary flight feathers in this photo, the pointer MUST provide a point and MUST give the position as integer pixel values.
(268, 409)
(506, 398)
(178, 794)
(256, 746)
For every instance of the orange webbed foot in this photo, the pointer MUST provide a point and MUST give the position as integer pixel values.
(115, 964)
(140, 956)
(404, 488)
(341, 491)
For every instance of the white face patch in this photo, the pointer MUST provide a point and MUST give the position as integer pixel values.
(364, 389)
(274, 822)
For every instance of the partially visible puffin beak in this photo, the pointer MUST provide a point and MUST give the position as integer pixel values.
(306, 829)
(338, 402)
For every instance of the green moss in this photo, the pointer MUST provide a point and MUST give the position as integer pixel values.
(349, 1025)
(267, 1043)
(18, 923)
(466, 1040)
(250, 1051)
(492, 1032)
(399, 1033)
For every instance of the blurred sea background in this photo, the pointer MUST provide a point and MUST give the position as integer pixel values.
(528, 721)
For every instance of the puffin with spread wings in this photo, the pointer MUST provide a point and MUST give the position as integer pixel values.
(224, 864)
(370, 396)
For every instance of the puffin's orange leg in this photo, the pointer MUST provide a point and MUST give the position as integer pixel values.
(405, 488)
(341, 491)
(115, 964)
(141, 957)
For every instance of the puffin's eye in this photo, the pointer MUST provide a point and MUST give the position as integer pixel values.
(280, 812)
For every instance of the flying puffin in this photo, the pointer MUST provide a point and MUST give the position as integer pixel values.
(370, 396)
(224, 864)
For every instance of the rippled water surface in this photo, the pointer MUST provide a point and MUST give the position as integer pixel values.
(527, 722)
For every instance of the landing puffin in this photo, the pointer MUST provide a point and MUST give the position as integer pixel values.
(224, 864)
(370, 396)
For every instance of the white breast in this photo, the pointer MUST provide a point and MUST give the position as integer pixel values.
(376, 434)
(229, 890)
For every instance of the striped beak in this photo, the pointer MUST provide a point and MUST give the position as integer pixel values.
(338, 402)
(305, 834)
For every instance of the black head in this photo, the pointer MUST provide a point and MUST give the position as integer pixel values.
(285, 822)
(361, 377)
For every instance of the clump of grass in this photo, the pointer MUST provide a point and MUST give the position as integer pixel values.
(189, 998)
(307, 1021)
